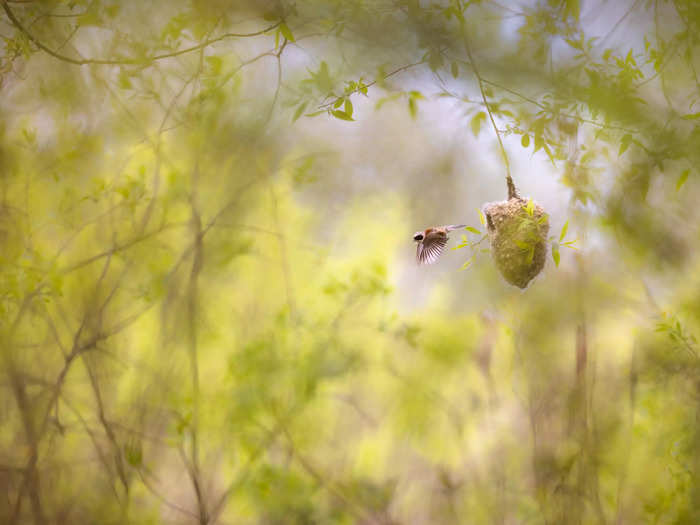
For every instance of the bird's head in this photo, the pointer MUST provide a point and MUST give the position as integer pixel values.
(418, 236)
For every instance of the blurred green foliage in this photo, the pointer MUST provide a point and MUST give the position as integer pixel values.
(209, 311)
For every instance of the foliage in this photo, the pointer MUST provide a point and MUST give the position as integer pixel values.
(207, 308)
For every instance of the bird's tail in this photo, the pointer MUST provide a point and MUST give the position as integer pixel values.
(455, 227)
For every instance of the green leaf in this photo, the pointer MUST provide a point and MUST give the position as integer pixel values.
(455, 69)
(691, 116)
(682, 179)
(525, 140)
(412, 108)
(574, 43)
(473, 230)
(530, 255)
(539, 142)
(286, 32)
(555, 254)
(467, 264)
(215, 64)
(530, 207)
(338, 102)
(482, 219)
(315, 113)
(341, 115)
(476, 122)
(348, 107)
(362, 87)
(625, 143)
(322, 78)
(563, 231)
(299, 111)
(134, 454)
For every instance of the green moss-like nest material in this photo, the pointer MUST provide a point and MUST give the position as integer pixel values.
(518, 233)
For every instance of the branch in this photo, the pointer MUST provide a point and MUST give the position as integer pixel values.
(565, 115)
(396, 71)
(117, 248)
(538, 104)
(124, 61)
(512, 192)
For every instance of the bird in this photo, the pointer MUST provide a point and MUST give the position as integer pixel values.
(431, 241)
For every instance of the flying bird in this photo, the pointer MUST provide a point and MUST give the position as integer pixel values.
(430, 242)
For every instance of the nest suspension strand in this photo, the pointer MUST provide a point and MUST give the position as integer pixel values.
(517, 228)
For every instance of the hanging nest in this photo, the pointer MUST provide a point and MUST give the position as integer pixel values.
(518, 234)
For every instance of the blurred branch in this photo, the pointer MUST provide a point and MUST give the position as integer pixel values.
(689, 46)
(272, 435)
(355, 508)
(157, 148)
(283, 253)
(31, 475)
(193, 467)
(619, 22)
(119, 248)
(126, 61)
(278, 60)
(163, 499)
(109, 432)
(549, 110)
(93, 437)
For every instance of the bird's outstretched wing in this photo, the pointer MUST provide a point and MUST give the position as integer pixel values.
(431, 248)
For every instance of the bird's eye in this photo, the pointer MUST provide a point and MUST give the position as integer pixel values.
(418, 237)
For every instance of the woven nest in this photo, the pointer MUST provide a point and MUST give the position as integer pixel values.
(518, 234)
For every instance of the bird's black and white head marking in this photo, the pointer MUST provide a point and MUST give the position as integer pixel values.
(418, 236)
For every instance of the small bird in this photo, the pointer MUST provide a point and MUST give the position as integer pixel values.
(431, 241)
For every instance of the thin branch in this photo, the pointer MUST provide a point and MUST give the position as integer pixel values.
(117, 248)
(162, 498)
(512, 192)
(565, 115)
(396, 71)
(351, 505)
(618, 23)
(125, 61)
(192, 313)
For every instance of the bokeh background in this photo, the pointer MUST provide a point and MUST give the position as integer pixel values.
(210, 310)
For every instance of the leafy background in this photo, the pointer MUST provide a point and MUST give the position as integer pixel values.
(210, 310)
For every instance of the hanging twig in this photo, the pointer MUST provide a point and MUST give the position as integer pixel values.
(512, 192)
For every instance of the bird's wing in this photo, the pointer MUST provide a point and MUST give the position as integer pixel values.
(430, 249)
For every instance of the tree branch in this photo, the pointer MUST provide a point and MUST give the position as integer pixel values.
(396, 71)
(124, 61)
